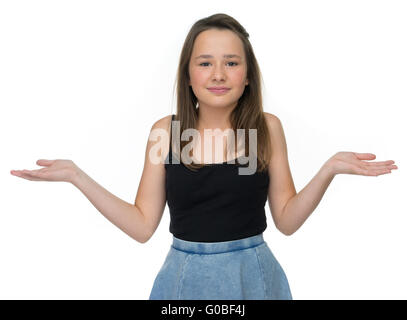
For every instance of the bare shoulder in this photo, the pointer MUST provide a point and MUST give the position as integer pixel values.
(275, 127)
(277, 135)
(163, 123)
(273, 121)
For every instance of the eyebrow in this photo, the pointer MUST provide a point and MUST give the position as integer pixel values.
(225, 56)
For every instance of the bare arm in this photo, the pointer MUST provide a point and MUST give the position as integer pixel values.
(151, 195)
(299, 207)
(124, 215)
(291, 209)
(140, 220)
(281, 187)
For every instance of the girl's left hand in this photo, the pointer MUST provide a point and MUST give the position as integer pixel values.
(353, 163)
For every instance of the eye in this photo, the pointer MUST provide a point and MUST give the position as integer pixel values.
(201, 64)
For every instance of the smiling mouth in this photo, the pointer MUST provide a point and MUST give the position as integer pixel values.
(218, 91)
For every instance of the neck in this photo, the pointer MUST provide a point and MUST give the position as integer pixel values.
(212, 118)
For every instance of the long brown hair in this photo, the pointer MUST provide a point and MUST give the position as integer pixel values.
(248, 113)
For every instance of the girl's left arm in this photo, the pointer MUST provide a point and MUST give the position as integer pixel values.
(299, 207)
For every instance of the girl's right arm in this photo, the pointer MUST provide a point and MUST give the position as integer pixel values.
(140, 220)
(124, 215)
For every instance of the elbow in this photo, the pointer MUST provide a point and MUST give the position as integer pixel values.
(142, 239)
(284, 226)
(285, 231)
(145, 238)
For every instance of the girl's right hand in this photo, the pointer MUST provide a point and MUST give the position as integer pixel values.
(55, 170)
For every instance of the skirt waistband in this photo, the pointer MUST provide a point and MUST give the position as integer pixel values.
(217, 247)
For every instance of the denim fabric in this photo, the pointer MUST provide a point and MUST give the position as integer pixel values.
(243, 269)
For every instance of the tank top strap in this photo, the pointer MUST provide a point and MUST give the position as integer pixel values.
(170, 149)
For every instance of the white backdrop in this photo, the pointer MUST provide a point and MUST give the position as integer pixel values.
(85, 80)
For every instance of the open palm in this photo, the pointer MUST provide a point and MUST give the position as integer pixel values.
(356, 163)
(55, 170)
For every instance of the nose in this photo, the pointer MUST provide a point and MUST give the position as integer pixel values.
(218, 73)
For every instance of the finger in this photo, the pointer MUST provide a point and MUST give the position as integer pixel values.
(370, 171)
(386, 167)
(26, 174)
(39, 173)
(15, 172)
(379, 163)
(44, 162)
(365, 156)
(380, 172)
(31, 173)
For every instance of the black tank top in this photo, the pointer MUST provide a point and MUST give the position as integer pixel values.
(215, 203)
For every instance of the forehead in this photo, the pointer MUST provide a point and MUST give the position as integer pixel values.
(217, 42)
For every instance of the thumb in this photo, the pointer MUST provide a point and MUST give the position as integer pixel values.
(365, 156)
(44, 162)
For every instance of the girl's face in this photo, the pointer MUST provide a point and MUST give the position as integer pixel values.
(218, 60)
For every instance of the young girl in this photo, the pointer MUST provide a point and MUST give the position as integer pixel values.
(216, 208)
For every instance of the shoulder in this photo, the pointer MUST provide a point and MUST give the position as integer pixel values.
(276, 134)
(273, 122)
(163, 123)
(160, 127)
(277, 138)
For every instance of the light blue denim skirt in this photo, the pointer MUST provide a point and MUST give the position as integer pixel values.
(243, 269)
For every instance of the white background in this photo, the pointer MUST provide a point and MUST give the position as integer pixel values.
(85, 80)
